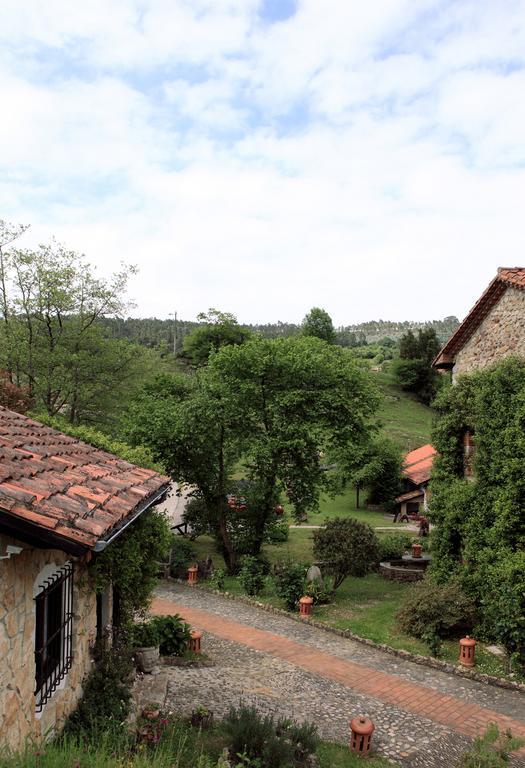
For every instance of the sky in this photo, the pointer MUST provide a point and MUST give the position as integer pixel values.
(266, 156)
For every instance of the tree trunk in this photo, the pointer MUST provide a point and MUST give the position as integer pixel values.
(357, 496)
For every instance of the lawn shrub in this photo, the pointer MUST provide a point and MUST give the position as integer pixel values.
(174, 634)
(258, 740)
(251, 575)
(347, 547)
(218, 579)
(491, 750)
(289, 578)
(394, 545)
(145, 634)
(321, 593)
(107, 693)
(277, 532)
(182, 556)
(433, 611)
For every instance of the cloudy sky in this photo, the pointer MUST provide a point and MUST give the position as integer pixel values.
(265, 156)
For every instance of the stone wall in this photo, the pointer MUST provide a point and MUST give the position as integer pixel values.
(500, 335)
(18, 578)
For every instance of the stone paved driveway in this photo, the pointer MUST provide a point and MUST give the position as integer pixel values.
(294, 669)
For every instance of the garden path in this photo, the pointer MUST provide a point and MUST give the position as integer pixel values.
(423, 716)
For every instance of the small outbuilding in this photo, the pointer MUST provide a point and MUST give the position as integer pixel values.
(417, 467)
(61, 500)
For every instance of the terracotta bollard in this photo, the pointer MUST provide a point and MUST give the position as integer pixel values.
(306, 607)
(467, 651)
(195, 641)
(193, 574)
(362, 729)
(417, 549)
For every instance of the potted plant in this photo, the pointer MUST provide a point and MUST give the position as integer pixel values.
(146, 643)
(201, 717)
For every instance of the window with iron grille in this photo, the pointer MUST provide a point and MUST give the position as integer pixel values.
(53, 632)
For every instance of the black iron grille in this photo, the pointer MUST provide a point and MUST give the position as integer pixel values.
(53, 633)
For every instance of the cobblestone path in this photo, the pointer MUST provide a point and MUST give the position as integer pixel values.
(423, 717)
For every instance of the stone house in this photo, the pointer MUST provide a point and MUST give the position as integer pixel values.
(61, 500)
(493, 329)
(417, 467)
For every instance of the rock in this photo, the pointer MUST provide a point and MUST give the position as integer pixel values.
(313, 574)
(496, 650)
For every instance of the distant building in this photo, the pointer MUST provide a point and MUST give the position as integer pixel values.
(494, 328)
(416, 473)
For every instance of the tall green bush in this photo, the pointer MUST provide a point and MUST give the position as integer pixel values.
(348, 547)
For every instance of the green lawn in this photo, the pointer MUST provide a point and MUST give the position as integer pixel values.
(406, 421)
(345, 506)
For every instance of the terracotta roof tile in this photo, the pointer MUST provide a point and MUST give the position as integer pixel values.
(418, 464)
(59, 484)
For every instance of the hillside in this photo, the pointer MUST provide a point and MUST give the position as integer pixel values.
(406, 421)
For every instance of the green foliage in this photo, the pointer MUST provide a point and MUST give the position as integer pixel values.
(379, 471)
(220, 329)
(394, 545)
(480, 523)
(318, 323)
(182, 556)
(321, 593)
(218, 579)
(289, 578)
(277, 531)
(251, 575)
(258, 740)
(413, 369)
(491, 750)
(131, 562)
(145, 635)
(173, 634)
(105, 703)
(433, 611)
(347, 546)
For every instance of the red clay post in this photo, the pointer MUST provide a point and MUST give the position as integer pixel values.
(192, 574)
(467, 651)
(305, 607)
(417, 549)
(195, 641)
(362, 729)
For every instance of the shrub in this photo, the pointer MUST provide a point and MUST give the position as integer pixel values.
(320, 592)
(145, 635)
(173, 633)
(260, 741)
(490, 750)
(107, 693)
(277, 531)
(348, 548)
(251, 575)
(433, 611)
(289, 582)
(182, 555)
(393, 546)
(218, 579)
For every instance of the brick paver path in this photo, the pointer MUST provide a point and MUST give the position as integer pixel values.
(450, 703)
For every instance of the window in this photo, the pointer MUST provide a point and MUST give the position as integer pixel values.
(53, 632)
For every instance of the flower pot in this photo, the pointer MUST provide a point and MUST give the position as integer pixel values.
(417, 550)
(147, 659)
(150, 713)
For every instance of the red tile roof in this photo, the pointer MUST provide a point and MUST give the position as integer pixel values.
(507, 277)
(418, 464)
(59, 487)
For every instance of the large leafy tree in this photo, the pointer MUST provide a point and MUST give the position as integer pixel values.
(480, 521)
(413, 369)
(379, 471)
(276, 409)
(319, 323)
(52, 340)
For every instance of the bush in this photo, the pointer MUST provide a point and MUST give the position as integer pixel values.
(251, 575)
(218, 579)
(277, 532)
(182, 556)
(393, 546)
(347, 547)
(320, 592)
(107, 693)
(289, 578)
(145, 635)
(490, 750)
(269, 744)
(433, 611)
(173, 633)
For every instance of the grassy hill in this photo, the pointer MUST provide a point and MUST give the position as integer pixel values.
(406, 421)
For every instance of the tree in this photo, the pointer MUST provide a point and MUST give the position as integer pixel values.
(348, 547)
(413, 369)
(272, 408)
(379, 471)
(220, 329)
(319, 323)
(51, 337)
